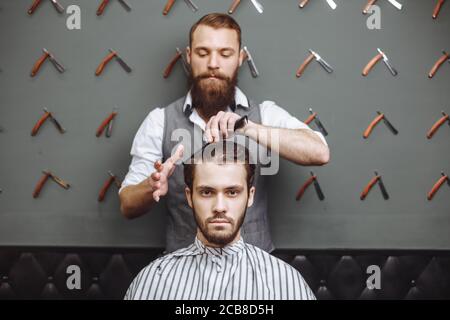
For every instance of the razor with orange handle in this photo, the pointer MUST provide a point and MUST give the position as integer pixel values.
(168, 6)
(445, 57)
(40, 122)
(303, 66)
(102, 7)
(36, 3)
(168, 69)
(381, 116)
(437, 8)
(109, 129)
(370, 3)
(302, 3)
(41, 60)
(170, 3)
(438, 185)
(34, 6)
(105, 188)
(311, 180)
(106, 123)
(104, 3)
(374, 61)
(370, 185)
(258, 6)
(371, 64)
(438, 124)
(234, 6)
(179, 55)
(308, 60)
(112, 54)
(104, 62)
(40, 184)
(313, 117)
(47, 174)
(38, 64)
(112, 178)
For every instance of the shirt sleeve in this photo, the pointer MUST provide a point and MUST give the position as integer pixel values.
(146, 148)
(140, 286)
(275, 116)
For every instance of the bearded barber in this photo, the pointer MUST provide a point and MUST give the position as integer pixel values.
(212, 106)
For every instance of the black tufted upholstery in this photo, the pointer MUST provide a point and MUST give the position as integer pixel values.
(404, 275)
(40, 273)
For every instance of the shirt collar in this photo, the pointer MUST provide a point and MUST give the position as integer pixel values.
(231, 249)
(240, 99)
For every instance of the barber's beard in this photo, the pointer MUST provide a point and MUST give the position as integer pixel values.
(219, 237)
(209, 96)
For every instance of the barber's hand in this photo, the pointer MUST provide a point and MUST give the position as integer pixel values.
(220, 126)
(159, 179)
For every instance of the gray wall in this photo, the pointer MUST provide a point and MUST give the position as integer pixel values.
(279, 39)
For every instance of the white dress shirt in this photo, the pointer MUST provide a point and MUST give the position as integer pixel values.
(147, 144)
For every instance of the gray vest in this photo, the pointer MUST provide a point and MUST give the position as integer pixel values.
(181, 226)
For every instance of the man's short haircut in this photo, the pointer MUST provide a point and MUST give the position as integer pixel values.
(221, 152)
(217, 21)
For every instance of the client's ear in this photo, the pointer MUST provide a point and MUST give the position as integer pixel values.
(251, 196)
(187, 192)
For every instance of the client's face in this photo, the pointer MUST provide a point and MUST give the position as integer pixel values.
(219, 200)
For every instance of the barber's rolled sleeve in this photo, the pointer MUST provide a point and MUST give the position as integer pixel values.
(146, 148)
(275, 116)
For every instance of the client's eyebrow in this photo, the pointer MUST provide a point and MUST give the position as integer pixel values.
(209, 188)
(204, 187)
(235, 187)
